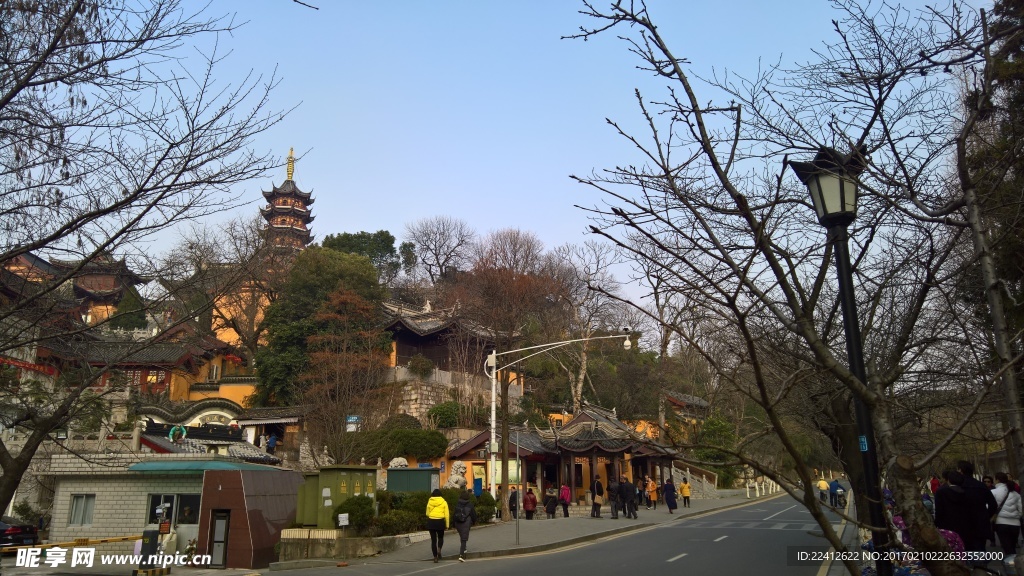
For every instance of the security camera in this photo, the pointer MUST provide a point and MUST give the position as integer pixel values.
(626, 330)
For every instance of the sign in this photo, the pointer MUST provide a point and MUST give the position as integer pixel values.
(342, 520)
(165, 527)
(863, 443)
(442, 465)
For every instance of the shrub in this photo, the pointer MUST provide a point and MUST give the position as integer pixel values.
(388, 501)
(445, 414)
(484, 507)
(416, 502)
(397, 522)
(421, 366)
(359, 510)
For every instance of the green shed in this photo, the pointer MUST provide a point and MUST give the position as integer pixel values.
(413, 479)
(332, 485)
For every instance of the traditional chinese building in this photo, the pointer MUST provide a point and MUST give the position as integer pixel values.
(287, 213)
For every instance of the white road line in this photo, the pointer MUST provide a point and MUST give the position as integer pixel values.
(777, 513)
(674, 558)
(720, 538)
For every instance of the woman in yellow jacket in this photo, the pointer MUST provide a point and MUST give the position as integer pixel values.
(438, 520)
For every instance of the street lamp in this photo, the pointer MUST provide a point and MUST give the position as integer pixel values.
(831, 180)
(491, 369)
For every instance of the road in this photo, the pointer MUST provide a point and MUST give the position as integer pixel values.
(748, 540)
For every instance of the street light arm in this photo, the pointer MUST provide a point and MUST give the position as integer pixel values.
(550, 346)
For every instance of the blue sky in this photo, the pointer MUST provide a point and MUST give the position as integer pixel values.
(476, 109)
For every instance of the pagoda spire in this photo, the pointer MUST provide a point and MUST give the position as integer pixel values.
(291, 163)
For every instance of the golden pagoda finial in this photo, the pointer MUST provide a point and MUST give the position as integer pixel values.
(291, 163)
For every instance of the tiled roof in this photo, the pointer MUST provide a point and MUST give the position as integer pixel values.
(273, 412)
(688, 399)
(236, 449)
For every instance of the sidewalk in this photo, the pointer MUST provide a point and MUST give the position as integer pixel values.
(537, 535)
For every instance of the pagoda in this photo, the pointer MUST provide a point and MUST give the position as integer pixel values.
(287, 213)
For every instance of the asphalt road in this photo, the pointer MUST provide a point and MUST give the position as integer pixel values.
(748, 540)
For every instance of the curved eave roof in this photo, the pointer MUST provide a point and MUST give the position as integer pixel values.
(288, 188)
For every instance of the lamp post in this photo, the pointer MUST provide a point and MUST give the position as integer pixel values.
(831, 181)
(491, 369)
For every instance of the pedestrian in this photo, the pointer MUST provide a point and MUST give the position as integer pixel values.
(529, 503)
(641, 493)
(652, 493)
(669, 491)
(952, 511)
(271, 444)
(1007, 524)
(463, 519)
(627, 493)
(438, 520)
(564, 495)
(613, 497)
(684, 491)
(822, 489)
(934, 484)
(597, 492)
(551, 503)
(981, 507)
(833, 493)
(513, 503)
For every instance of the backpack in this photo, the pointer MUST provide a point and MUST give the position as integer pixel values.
(460, 514)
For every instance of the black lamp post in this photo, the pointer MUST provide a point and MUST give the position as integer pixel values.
(831, 180)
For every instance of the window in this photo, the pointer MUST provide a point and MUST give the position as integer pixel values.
(175, 506)
(81, 509)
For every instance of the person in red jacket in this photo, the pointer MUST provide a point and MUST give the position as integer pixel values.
(529, 503)
(934, 484)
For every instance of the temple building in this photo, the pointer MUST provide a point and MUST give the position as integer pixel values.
(287, 213)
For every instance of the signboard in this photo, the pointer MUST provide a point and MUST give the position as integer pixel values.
(513, 472)
(165, 527)
(342, 520)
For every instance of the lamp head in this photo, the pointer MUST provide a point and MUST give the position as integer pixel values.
(627, 343)
(831, 181)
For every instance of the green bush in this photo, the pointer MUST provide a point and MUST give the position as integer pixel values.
(359, 510)
(484, 507)
(416, 502)
(388, 501)
(445, 414)
(420, 444)
(421, 366)
(398, 522)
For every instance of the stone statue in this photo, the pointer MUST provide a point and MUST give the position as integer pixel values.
(457, 479)
(398, 463)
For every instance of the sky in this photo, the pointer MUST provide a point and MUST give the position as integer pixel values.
(475, 109)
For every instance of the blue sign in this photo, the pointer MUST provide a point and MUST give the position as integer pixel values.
(863, 443)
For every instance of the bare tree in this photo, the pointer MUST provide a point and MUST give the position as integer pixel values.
(588, 311)
(107, 135)
(730, 227)
(442, 243)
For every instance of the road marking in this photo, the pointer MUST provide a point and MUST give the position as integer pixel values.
(777, 513)
(720, 538)
(674, 558)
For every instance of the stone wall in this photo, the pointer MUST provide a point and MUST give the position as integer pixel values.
(418, 395)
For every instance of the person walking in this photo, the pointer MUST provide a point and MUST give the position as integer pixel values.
(551, 503)
(627, 493)
(981, 506)
(641, 493)
(564, 495)
(513, 503)
(833, 493)
(652, 494)
(463, 519)
(597, 492)
(1007, 525)
(613, 497)
(669, 491)
(822, 489)
(438, 520)
(272, 444)
(529, 503)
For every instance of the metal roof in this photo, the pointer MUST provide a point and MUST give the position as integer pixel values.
(194, 466)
